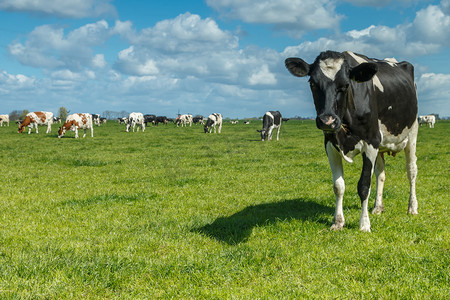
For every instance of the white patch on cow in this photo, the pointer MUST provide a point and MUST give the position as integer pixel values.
(391, 61)
(348, 157)
(393, 143)
(377, 83)
(390, 107)
(330, 67)
(359, 59)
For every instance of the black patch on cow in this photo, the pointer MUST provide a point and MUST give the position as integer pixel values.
(366, 176)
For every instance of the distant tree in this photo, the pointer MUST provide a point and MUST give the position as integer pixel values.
(23, 114)
(63, 113)
(14, 115)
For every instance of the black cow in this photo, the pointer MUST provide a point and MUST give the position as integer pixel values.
(149, 119)
(271, 120)
(366, 106)
(161, 119)
(198, 119)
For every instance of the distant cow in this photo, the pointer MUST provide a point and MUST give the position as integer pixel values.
(246, 122)
(122, 120)
(184, 120)
(4, 118)
(75, 122)
(213, 121)
(136, 118)
(96, 119)
(234, 122)
(366, 106)
(161, 119)
(33, 119)
(57, 120)
(271, 120)
(428, 119)
(149, 119)
(198, 119)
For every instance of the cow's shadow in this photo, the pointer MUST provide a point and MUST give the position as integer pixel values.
(237, 228)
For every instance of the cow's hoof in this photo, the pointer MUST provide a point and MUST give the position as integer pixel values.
(378, 210)
(365, 228)
(337, 226)
(412, 211)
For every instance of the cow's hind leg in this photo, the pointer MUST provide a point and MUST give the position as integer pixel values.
(369, 159)
(381, 177)
(411, 169)
(337, 171)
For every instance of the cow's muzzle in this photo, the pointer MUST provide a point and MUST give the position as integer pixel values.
(328, 122)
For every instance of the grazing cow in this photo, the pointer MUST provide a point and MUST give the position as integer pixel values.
(365, 106)
(96, 119)
(198, 119)
(271, 120)
(161, 119)
(57, 120)
(149, 119)
(213, 121)
(184, 120)
(136, 118)
(37, 118)
(246, 122)
(122, 120)
(75, 122)
(4, 118)
(428, 119)
(103, 120)
(234, 122)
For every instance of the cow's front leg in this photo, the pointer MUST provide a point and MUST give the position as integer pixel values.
(337, 171)
(381, 177)
(76, 132)
(369, 159)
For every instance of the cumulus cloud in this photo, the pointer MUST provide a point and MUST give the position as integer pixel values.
(434, 93)
(65, 9)
(295, 17)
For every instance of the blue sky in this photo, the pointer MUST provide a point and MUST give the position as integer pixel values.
(200, 57)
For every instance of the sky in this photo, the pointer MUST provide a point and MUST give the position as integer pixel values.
(200, 57)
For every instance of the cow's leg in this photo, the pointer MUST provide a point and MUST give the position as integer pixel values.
(220, 127)
(381, 177)
(270, 133)
(49, 128)
(76, 132)
(84, 135)
(337, 171)
(369, 159)
(278, 133)
(92, 131)
(30, 127)
(411, 169)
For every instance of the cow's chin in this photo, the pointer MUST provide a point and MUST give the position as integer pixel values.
(334, 126)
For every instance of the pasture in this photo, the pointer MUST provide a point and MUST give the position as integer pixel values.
(176, 213)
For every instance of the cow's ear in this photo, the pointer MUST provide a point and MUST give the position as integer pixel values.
(363, 72)
(297, 66)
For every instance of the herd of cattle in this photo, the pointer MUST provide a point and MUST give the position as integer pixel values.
(363, 105)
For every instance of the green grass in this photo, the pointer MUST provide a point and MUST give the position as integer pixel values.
(176, 213)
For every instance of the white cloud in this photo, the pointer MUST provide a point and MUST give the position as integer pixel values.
(434, 93)
(432, 25)
(295, 17)
(263, 77)
(66, 8)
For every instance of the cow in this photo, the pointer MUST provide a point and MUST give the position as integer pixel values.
(75, 122)
(271, 120)
(428, 119)
(135, 118)
(96, 119)
(4, 119)
(213, 121)
(366, 106)
(57, 120)
(33, 119)
(184, 120)
(234, 122)
(149, 119)
(161, 119)
(246, 122)
(122, 120)
(198, 119)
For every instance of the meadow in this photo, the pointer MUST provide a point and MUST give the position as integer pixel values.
(176, 213)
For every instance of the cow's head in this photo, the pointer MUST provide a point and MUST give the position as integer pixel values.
(263, 134)
(61, 131)
(330, 79)
(21, 128)
(208, 125)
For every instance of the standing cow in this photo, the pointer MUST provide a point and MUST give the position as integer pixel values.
(75, 122)
(4, 119)
(213, 121)
(428, 119)
(33, 119)
(365, 106)
(136, 118)
(184, 120)
(271, 120)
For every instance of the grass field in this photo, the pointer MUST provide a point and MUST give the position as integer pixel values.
(176, 213)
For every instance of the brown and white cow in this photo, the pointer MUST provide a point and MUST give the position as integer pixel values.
(33, 119)
(75, 122)
(4, 119)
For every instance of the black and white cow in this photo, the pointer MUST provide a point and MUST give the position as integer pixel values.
(214, 120)
(428, 119)
(366, 106)
(271, 120)
(96, 119)
(149, 119)
(161, 119)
